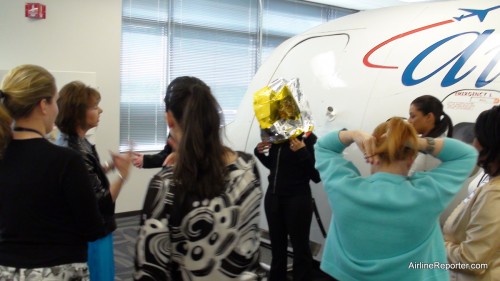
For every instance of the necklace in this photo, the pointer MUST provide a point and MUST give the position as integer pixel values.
(22, 129)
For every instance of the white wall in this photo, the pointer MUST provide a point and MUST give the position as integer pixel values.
(77, 36)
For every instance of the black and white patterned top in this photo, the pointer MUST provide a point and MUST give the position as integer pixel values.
(212, 239)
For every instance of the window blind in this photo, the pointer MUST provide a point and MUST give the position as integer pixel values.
(217, 41)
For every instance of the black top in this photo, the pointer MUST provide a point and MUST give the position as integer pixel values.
(156, 160)
(48, 212)
(98, 179)
(290, 172)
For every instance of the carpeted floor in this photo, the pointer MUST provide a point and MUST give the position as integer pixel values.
(124, 241)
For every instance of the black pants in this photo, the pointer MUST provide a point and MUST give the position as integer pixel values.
(289, 216)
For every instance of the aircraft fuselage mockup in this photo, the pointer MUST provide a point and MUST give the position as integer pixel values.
(359, 70)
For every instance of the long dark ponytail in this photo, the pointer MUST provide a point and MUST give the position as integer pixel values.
(200, 163)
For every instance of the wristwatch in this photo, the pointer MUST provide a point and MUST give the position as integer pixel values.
(431, 144)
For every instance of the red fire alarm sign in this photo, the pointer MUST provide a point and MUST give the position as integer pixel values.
(35, 11)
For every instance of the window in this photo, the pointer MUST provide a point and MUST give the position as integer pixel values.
(221, 42)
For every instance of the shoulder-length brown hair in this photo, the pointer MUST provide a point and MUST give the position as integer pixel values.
(74, 100)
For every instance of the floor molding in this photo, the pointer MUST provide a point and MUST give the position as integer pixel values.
(127, 214)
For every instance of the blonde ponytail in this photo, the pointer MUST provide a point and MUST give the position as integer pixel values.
(396, 140)
(23, 87)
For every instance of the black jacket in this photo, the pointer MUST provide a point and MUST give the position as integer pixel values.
(98, 179)
(290, 172)
(156, 160)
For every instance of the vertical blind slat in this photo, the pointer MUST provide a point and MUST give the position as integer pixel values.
(215, 40)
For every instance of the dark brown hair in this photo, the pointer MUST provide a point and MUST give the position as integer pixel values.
(487, 130)
(200, 166)
(442, 122)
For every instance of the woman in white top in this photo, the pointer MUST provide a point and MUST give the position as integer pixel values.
(430, 121)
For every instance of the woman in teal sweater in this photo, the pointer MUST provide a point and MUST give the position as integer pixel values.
(385, 226)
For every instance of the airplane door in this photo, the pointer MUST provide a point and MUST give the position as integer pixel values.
(465, 105)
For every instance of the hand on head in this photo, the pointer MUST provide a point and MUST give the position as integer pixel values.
(367, 144)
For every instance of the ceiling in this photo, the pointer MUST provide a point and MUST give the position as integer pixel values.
(367, 4)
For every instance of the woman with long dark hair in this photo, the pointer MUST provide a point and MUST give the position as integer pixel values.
(471, 231)
(200, 219)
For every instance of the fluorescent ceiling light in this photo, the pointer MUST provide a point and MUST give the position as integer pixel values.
(365, 4)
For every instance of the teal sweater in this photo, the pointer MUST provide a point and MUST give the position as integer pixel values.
(385, 226)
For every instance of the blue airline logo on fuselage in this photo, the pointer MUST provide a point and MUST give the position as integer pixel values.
(457, 62)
